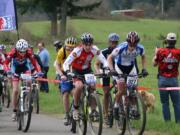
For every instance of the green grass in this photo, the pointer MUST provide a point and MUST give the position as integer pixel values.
(149, 30)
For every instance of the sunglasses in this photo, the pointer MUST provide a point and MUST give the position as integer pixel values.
(69, 48)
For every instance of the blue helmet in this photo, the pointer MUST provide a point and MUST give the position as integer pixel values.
(113, 37)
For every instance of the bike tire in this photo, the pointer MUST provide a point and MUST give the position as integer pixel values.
(36, 101)
(28, 101)
(110, 111)
(6, 97)
(82, 122)
(92, 122)
(18, 114)
(137, 125)
(121, 122)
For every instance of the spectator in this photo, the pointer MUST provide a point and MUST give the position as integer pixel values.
(44, 56)
(167, 59)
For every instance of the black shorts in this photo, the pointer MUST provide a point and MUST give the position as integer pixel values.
(126, 69)
(106, 81)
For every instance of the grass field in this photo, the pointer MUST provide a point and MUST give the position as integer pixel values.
(150, 32)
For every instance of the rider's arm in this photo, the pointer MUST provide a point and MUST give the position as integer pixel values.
(31, 57)
(73, 55)
(143, 58)
(100, 56)
(111, 57)
(8, 59)
(97, 65)
(155, 58)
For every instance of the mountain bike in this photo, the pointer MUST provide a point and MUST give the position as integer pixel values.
(25, 101)
(90, 109)
(132, 112)
(5, 97)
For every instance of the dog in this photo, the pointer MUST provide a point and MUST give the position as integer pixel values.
(149, 100)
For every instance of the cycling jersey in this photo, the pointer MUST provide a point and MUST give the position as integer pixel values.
(2, 58)
(122, 56)
(60, 58)
(18, 61)
(168, 61)
(81, 60)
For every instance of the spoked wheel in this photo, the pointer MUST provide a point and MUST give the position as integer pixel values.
(110, 111)
(36, 101)
(136, 115)
(6, 96)
(95, 115)
(18, 113)
(121, 122)
(26, 115)
(82, 122)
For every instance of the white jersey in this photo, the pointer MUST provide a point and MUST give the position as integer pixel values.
(122, 56)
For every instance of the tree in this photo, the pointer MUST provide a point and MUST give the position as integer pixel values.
(63, 8)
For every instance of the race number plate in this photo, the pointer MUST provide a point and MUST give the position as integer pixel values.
(26, 76)
(131, 81)
(90, 79)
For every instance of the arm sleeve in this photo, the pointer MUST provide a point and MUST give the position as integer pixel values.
(34, 62)
(73, 55)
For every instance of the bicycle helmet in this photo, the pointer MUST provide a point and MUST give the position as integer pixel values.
(113, 37)
(71, 42)
(2, 47)
(58, 44)
(133, 38)
(171, 36)
(22, 45)
(87, 38)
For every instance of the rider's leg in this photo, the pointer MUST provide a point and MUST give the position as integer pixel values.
(106, 90)
(121, 87)
(77, 92)
(76, 96)
(66, 101)
(15, 84)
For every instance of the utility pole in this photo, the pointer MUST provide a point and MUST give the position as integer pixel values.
(63, 19)
(162, 7)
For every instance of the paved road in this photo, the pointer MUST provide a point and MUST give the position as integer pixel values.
(40, 125)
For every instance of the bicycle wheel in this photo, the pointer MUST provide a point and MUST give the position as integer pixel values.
(110, 111)
(6, 95)
(95, 114)
(136, 115)
(18, 113)
(121, 122)
(71, 120)
(26, 114)
(36, 101)
(82, 122)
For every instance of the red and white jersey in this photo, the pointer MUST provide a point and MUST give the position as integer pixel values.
(168, 61)
(79, 59)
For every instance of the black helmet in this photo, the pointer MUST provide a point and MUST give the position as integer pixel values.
(58, 44)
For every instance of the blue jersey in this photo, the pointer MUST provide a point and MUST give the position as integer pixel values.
(122, 56)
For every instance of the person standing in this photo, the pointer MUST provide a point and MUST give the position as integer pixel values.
(44, 56)
(167, 60)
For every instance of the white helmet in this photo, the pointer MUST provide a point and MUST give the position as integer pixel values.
(21, 45)
(171, 36)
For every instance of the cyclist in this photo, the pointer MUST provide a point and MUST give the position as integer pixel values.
(113, 40)
(124, 57)
(18, 57)
(80, 61)
(2, 59)
(58, 45)
(65, 86)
